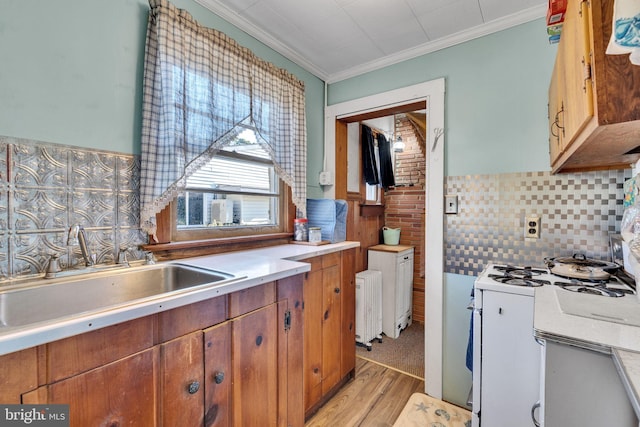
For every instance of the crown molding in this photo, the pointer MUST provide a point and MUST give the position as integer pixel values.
(496, 25)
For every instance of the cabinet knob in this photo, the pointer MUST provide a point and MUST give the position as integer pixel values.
(193, 387)
(336, 290)
(218, 377)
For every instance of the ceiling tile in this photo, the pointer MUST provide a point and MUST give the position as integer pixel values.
(421, 7)
(240, 5)
(265, 17)
(494, 9)
(452, 18)
(374, 13)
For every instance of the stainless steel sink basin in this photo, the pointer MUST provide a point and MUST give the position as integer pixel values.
(47, 301)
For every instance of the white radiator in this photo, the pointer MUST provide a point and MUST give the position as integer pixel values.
(368, 307)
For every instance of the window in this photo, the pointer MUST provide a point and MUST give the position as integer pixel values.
(199, 97)
(237, 187)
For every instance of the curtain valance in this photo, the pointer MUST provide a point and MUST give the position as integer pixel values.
(201, 89)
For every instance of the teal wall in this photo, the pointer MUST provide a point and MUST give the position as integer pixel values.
(72, 71)
(495, 103)
(457, 294)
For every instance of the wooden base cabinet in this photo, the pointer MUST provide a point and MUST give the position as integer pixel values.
(234, 360)
(329, 326)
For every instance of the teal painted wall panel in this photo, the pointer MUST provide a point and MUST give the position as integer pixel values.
(72, 71)
(457, 383)
(496, 98)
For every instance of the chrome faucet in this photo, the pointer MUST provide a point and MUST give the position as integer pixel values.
(53, 268)
(122, 256)
(78, 237)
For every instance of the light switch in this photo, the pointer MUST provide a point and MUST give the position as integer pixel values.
(451, 204)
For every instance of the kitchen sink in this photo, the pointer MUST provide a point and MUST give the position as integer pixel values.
(47, 301)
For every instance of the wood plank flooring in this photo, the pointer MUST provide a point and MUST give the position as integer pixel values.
(374, 398)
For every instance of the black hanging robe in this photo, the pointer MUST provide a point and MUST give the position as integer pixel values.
(370, 168)
(386, 162)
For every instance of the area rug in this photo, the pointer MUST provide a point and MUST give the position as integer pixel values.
(422, 410)
(404, 354)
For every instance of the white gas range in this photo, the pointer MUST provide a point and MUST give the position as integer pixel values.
(506, 356)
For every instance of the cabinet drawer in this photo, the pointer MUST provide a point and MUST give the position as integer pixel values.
(182, 320)
(250, 299)
(80, 353)
(331, 259)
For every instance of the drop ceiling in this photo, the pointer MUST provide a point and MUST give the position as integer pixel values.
(338, 39)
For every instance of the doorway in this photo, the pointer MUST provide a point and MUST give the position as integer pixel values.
(429, 96)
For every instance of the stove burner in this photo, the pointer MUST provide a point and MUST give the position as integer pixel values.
(598, 289)
(520, 272)
(518, 281)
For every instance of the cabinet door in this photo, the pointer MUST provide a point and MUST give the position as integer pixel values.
(217, 375)
(312, 337)
(348, 306)
(582, 388)
(255, 368)
(18, 374)
(331, 327)
(510, 360)
(404, 288)
(120, 393)
(556, 104)
(182, 385)
(577, 87)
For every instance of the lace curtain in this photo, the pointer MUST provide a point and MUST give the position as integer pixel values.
(201, 89)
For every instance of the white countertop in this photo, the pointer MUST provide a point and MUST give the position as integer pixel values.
(587, 328)
(628, 365)
(550, 320)
(254, 266)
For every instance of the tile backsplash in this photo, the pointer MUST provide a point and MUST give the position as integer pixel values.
(577, 213)
(46, 188)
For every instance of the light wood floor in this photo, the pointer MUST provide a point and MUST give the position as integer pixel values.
(375, 397)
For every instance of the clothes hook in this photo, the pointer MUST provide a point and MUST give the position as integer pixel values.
(437, 133)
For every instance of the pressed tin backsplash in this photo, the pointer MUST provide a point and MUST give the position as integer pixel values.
(46, 188)
(577, 213)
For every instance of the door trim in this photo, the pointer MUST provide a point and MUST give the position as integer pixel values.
(432, 92)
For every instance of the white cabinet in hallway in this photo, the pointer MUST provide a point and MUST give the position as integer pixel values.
(396, 264)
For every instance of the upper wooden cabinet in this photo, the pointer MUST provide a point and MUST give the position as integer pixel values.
(594, 98)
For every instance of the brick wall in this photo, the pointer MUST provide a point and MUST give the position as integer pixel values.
(405, 206)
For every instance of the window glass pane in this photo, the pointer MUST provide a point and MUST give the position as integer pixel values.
(237, 187)
(211, 210)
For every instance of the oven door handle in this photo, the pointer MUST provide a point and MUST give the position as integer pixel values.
(533, 413)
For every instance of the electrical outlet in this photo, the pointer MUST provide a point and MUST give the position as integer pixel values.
(532, 227)
(325, 178)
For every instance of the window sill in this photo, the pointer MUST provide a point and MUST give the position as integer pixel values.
(177, 250)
